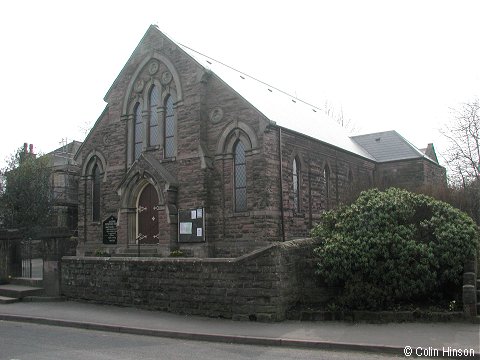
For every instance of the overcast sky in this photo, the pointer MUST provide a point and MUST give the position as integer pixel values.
(388, 64)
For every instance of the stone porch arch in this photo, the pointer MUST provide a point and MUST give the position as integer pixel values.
(146, 170)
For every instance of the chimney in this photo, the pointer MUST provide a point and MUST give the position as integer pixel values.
(31, 148)
(25, 148)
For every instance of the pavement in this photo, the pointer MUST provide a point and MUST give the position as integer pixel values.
(389, 338)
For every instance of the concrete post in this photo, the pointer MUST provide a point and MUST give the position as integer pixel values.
(469, 290)
(55, 245)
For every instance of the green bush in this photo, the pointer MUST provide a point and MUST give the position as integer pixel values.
(394, 247)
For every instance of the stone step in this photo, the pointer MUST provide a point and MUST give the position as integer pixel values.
(150, 250)
(19, 291)
(35, 282)
(8, 300)
(133, 252)
(136, 255)
(43, 299)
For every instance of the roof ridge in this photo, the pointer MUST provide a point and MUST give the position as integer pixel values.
(250, 76)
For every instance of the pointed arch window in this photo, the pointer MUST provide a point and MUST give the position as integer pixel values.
(350, 177)
(170, 127)
(138, 131)
(96, 193)
(326, 184)
(296, 185)
(240, 177)
(153, 102)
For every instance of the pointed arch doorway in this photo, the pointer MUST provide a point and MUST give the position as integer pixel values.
(147, 216)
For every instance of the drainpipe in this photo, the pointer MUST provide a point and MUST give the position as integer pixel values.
(281, 182)
(309, 196)
(84, 211)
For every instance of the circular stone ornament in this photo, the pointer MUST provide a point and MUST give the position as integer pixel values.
(139, 84)
(216, 115)
(166, 78)
(106, 139)
(153, 67)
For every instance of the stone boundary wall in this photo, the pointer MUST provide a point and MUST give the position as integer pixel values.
(261, 285)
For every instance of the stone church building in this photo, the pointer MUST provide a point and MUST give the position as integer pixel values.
(191, 154)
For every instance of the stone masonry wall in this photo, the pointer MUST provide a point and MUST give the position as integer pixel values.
(409, 174)
(261, 285)
(346, 171)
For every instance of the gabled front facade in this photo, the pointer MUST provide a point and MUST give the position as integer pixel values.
(175, 137)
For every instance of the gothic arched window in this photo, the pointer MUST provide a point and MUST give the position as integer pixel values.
(96, 193)
(153, 103)
(240, 177)
(138, 131)
(296, 185)
(326, 183)
(170, 127)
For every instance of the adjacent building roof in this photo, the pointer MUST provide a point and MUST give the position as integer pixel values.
(64, 154)
(389, 146)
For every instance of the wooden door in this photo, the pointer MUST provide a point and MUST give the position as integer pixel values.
(148, 216)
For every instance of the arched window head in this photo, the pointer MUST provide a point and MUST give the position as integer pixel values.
(326, 184)
(138, 131)
(296, 185)
(170, 127)
(96, 193)
(153, 103)
(240, 177)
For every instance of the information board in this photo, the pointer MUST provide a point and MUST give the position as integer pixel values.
(110, 230)
(191, 225)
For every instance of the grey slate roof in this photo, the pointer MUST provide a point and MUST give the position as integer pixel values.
(279, 107)
(294, 114)
(388, 146)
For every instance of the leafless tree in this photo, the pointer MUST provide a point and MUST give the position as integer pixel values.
(340, 117)
(463, 154)
(463, 158)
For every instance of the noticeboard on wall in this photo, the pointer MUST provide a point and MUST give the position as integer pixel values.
(191, 225)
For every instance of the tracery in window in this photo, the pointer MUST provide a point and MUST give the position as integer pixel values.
(154, 96)
(240, 177)
(138, 131)
(169, 127)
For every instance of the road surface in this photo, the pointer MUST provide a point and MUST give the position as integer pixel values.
(23, 341)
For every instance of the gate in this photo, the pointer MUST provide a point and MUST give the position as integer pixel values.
(27, 259)
(20, 257)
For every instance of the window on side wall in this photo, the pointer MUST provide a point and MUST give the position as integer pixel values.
(296, 185)
(240, 177)
(96, 193)
(326, 184)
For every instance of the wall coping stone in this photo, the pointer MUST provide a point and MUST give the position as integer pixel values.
(238, 260)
